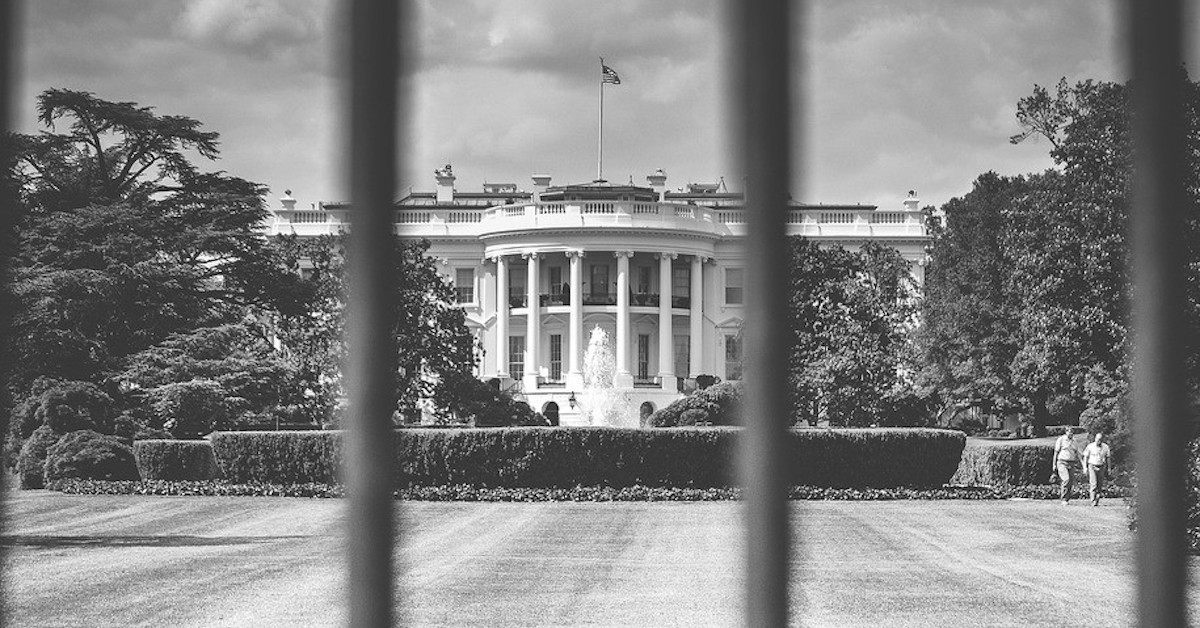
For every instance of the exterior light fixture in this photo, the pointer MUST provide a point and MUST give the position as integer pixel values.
(571, 400)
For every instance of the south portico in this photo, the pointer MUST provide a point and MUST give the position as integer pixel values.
(648, 299)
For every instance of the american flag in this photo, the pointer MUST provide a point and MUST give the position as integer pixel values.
(608, 75)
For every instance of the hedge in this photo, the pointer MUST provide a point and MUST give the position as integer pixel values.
(543, 457)
(300, 457)
(169, 459)
(1015, 463)
(90, 455)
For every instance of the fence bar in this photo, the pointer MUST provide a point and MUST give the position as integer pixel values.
(1159, 305)
(8, 217)
(373, 57)
(761, 132)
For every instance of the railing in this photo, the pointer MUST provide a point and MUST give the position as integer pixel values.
(595, 298)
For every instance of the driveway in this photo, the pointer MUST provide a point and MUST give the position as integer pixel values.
(210, 561)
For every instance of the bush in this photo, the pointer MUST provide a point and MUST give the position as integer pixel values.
(718, 404)
(293, 457)
(1013, 463)
(31, 463)
(71, 406)
(566, 457)
(90, 455)
(175, 459)
(190, 409)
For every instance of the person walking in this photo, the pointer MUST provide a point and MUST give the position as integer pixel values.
(1098, 459)
(1066, 458)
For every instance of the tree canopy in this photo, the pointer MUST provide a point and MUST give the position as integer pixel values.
(123, 241)
(849, 313)
(1027, 294)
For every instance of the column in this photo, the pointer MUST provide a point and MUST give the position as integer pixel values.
(666, 332)
(502, 317)
(697, 327)
(533, 322)
(575, 344)
(624, 378)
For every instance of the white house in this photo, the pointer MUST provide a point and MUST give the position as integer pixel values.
(661, 272)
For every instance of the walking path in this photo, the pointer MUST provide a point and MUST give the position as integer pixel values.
(207, 561)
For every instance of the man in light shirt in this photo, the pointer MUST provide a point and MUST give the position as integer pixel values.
(1097, 458)
(1066, 458)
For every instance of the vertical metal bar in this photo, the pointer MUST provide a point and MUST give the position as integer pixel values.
(1159, 306)
(374, 62)
(762, 131)
(8, 216)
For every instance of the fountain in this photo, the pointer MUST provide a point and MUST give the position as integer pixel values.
(602, 403)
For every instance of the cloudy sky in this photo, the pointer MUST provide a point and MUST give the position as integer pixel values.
(896, 95)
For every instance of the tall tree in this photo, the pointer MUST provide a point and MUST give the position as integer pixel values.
(122, 241)
(849, 315)
(435, 348)
(1057, 248)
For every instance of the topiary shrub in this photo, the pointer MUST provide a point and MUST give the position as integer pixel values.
(31, 463)
(90, 455)
(292, 457)
(718, 404)
(1011, 463)
(190, 409)
(71, 406)
(175, 460)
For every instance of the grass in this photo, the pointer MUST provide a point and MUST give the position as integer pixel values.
(77, 560)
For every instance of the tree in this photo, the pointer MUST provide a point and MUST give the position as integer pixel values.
(849, 316)
(968, 335)
(254, 376)
(434, 347)
(1056, 248)
(122, 241)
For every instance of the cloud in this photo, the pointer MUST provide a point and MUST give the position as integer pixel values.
(256, 28)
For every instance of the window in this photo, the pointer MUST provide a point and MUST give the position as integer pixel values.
(681, 286)
(516, 355)
(643, 357)
(556, 282)
(683, 355)
(733, 357)
(599, 286)
(734, 278)
(643, 279)
(555, 357)
(516, 290)
(464, 285)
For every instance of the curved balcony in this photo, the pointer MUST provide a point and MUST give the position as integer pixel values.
(673, 217)
(822, 222)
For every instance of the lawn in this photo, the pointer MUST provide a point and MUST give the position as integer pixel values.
(191, 561)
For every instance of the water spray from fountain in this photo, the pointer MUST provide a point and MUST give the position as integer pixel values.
(602, 404)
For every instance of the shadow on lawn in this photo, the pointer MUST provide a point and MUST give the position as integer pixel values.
(51, 542)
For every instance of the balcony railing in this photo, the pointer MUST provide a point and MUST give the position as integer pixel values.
(829, 221)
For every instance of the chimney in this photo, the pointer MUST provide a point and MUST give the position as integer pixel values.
(289, 203)
(445, 184)
(911, 203)
(540, 183)
(658, 181)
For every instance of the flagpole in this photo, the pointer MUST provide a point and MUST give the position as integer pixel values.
(600, 132)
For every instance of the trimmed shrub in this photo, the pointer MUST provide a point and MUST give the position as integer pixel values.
(291, 457)
(91, 456)
(1011, 463)
(190, 409)
(71, 406)
(718, 405)
(175, 459)
(31, 463)
(596, 456)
